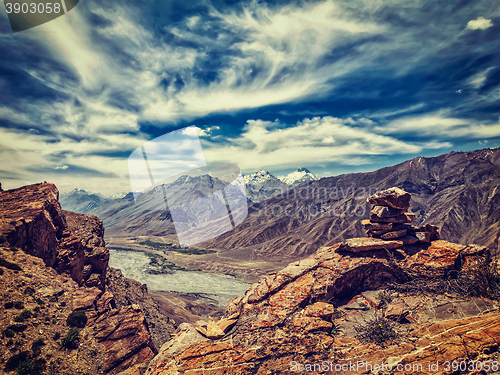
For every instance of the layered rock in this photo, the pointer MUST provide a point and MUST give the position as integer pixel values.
(128, 292)
(90, 231)
(113, 338)
(307, 313)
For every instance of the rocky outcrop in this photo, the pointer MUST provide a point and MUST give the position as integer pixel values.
(33, 221)
(311, 312)
(122, 331)
(90, 231)
(71, 243)
(128, 292)
(72, 278)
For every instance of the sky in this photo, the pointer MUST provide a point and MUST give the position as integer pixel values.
(333, 86)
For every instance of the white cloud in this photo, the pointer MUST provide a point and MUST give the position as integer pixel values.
(479, 23)
(63, 167)
(265, 143)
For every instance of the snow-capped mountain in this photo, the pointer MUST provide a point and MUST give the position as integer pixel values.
(299, 176)
(263, 185)
(259, 177)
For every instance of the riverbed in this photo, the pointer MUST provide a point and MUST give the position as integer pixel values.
(221, 288)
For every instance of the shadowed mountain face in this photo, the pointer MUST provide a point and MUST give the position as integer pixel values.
(458, 191)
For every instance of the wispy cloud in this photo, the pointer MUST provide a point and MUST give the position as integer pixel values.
(271, 144)
(85, 89)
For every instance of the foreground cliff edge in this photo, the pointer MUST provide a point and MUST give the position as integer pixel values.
(404, 302)
(64, 311)
(389, 300)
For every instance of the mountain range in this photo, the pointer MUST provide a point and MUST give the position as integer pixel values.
(459, 191)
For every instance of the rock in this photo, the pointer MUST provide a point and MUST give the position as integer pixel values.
(393, 197)
(90, 230)
(423, 236)
(32, 220)
(127, 291)
(403, 218)
(385, 211)
(368, 225)
(396, 312)
(394, 234)
(50, 291)
(408, 240)
(366, 244)
(291, 321)
(125, 337)
(85, 298)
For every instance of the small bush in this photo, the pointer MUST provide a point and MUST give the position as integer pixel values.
(77, 319)
(25, 365)
(9, 265)
(37, 344)
(25, 314)
(17, 327)
(1, 271)
(57, 335)
(384, 298)
(40, 301)
(8, 305)
(15, 360)
(483, 280)
(70, 341)
(36, 309)
(9, 333)
(378, 331)
(19, 305)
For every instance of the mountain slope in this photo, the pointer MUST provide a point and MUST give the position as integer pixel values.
(459, 191)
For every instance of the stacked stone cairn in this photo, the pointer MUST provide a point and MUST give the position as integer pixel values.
(389, 224)
(389, 219)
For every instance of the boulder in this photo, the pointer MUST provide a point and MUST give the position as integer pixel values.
(393, 197)
(366, 244)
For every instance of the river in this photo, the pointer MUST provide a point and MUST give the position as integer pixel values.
(219, 287)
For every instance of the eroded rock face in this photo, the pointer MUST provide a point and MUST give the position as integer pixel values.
(71, 243)
(128, 292)
(90, 231)
(32, 220)
(74, 274)
(293, 316)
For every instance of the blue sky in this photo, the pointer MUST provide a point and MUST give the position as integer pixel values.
(334, 86)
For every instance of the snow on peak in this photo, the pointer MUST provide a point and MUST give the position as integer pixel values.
(258, 177)
(299, 176)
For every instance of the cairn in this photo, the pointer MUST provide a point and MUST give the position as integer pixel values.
(390, 219)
